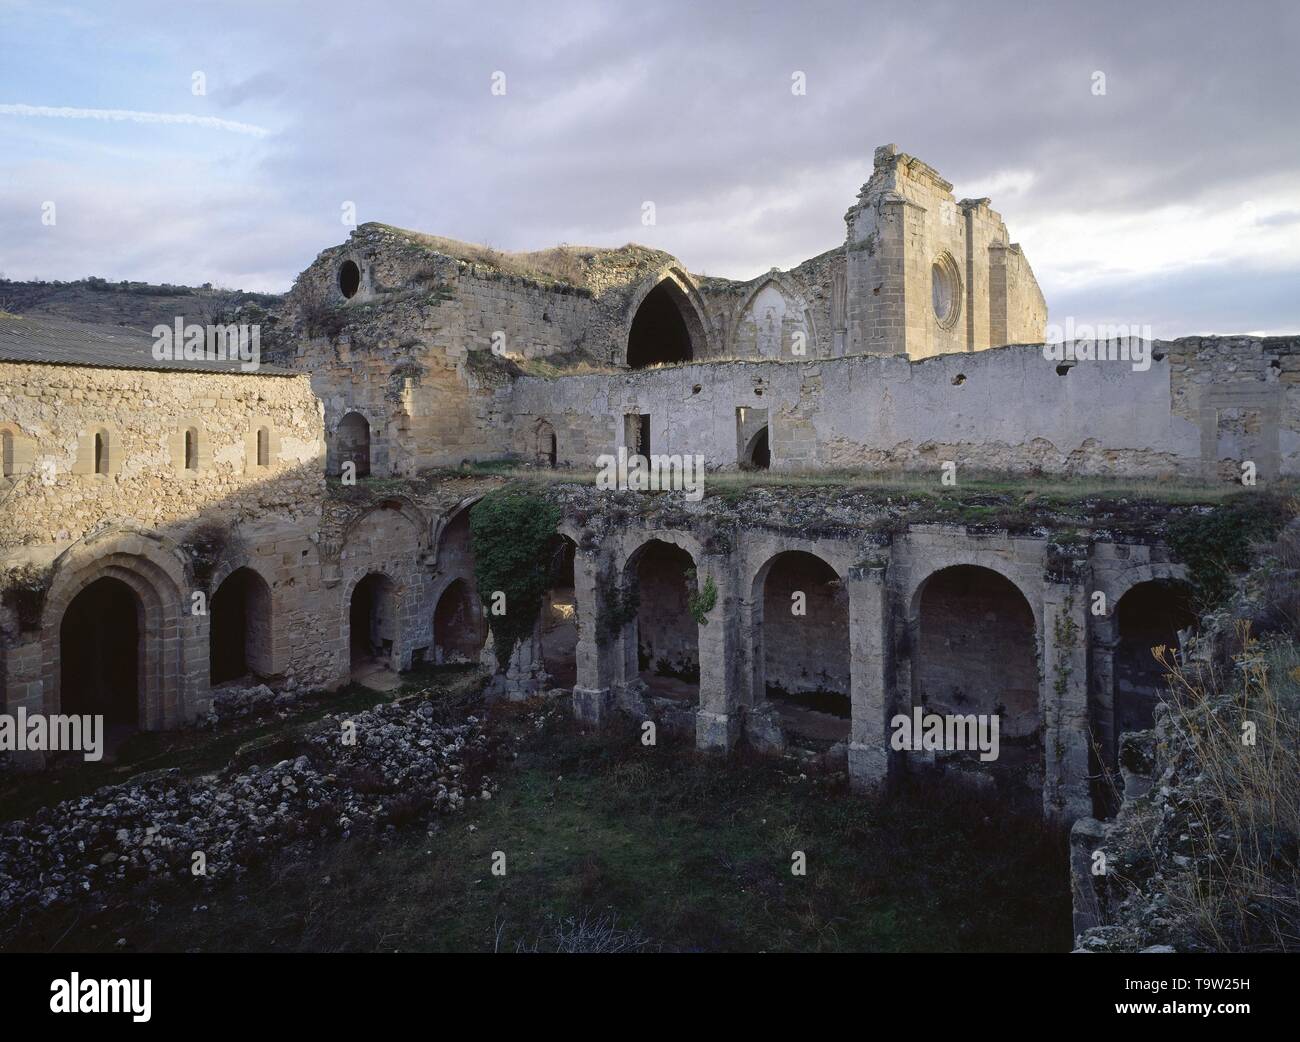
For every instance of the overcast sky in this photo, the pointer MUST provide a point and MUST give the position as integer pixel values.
(1172, 199)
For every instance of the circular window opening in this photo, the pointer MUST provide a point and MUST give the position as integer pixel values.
(349, 278)
(945, 287)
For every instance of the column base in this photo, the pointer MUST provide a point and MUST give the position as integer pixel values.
(592, 705)
(868, 766)
(717, 732)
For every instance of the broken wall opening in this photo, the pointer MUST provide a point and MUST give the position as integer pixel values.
(753, 447)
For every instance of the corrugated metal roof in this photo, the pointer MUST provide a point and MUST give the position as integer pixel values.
(52, 341)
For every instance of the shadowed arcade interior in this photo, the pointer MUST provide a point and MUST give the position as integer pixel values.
(560, 616)
(666, 635)
(99, 639)
(459, 631)
(803, 639)
(975, 652)
(1149, 616)
(240, 633)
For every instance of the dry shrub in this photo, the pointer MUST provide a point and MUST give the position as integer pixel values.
(1238, 803)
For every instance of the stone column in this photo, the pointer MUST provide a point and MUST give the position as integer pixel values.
(1064, 694)
(598, 652)
(717, 721)
(524, 675)
(869, 682)
(24, 687)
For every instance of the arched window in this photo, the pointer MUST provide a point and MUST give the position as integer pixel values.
(263, 447)
(192, 449)
(101, 452)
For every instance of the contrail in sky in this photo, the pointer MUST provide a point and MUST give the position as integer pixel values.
(128, 115)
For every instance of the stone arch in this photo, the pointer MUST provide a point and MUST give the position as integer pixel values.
(661, 643)
(1148, 614)
(670, 295)
(757, 454)
(451, 541)
(559, 616)
(974, 650)
(17, 451)
(546, 445)
(459, 629)
(793, 295)
(801, 659)
(241, 623)
(405, 506)
(372, 621)
(351, 443)
(151, 568)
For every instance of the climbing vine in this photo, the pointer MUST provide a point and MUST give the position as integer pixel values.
(1213, 545)
(703, 600)
(618, 607)
(25, 590)
(509, 534)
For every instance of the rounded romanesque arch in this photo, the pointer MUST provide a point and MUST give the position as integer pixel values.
(757, 454)
(351, 444)
(976, 648)
(666, 322)
(661, 642)
(1149, 615)
(800, 638)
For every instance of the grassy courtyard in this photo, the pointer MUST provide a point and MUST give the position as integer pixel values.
(664, 848)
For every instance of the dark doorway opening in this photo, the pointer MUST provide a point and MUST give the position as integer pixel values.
(458, 629)
(1149, 615)
(99, 652)
(240, 633)
(804, 641)
(372, 621)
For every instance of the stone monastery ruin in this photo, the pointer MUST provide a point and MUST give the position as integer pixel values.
(131, 485)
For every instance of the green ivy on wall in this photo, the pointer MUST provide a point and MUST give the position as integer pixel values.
(509, 534)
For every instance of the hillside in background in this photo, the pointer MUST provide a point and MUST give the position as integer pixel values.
(139, 305)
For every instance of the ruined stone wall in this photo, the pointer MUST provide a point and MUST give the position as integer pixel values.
(54, 413)
(929, 275)
(1200, 401)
